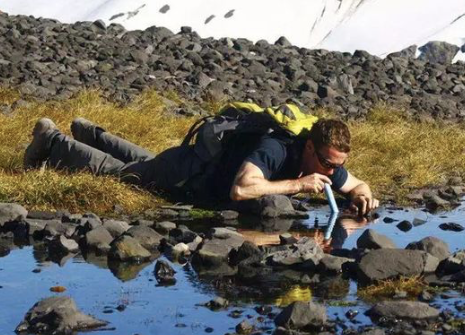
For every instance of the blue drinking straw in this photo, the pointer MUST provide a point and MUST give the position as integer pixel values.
(331, 200)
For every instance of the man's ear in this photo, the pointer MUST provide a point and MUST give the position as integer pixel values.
(309, 146)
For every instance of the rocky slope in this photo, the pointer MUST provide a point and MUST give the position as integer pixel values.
(46, 59)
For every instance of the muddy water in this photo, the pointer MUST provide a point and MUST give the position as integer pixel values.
(130, 299)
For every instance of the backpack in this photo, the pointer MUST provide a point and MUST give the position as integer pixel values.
(210, 135)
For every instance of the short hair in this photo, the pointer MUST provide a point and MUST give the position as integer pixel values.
(331, 133)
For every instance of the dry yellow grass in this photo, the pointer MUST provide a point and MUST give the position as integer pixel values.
(395, 154)
(390, 152)
(413, 286)
(144, 122)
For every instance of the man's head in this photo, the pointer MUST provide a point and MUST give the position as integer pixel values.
(327, 147)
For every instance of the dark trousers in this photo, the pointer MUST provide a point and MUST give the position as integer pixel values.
(111, 155)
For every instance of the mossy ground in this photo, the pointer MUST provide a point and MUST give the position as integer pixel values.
(391, 152)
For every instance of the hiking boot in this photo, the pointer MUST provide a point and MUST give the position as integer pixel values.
(85, 131)
(37, 152)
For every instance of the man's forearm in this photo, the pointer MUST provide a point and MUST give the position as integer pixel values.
(259, 188)
(361, 189)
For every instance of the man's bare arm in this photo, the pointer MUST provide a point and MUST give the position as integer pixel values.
(250, 183)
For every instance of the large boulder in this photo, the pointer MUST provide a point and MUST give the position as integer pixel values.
(413, 310)
(438, 52)
(57, 315)
(432, 245)
(299, 315)
(392, 263)
(370, 239)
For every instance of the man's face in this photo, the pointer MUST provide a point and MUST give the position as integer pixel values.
(322, 160)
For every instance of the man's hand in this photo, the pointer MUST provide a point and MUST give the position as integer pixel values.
(363, 203)
(313, 183)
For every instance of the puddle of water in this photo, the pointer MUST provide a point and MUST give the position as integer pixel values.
(130, 299)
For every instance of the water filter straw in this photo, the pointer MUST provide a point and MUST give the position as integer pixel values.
(330, 197)
(331, 224)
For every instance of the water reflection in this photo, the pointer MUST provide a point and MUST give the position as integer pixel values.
(330, 236)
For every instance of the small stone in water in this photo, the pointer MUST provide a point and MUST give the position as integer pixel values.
(209, 330)
(36, 270)
(404, 226)
(451, 226)
(350, 314)
(121, 307)
(180, 325)
(58, 289)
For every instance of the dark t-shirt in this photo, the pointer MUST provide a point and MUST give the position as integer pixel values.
(277, 157)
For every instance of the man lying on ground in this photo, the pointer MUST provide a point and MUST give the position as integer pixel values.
(248, 169)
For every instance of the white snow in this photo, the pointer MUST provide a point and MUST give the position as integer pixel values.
(377, 26)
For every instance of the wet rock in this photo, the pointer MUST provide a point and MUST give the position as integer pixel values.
(277, 205)
(305, 254)
(57, 315)
(146, 236)
(164, 273)
(127, 249)
(62, 245)
(425, 296)
(182, 234)
(217, 303)
(431, 245)
(332, 264)
(11, 212)
(452, 226)
(436, 202)
(244, 328)
(391, 263)
(227, 215)
(370, 239)
(115, 227)
(19, 229)
(403, 309)
(164, 227)
(226, 233)
(300, 315)
(214, 252)
(35, 226)
(387, 219)
(405, 225)
(55, 228)
(245, 251)
(454, 263)
(287, 238)
(98, 240)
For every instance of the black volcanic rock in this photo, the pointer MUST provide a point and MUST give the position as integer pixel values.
(45, 59)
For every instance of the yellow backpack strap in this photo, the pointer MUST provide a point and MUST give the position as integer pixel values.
(242, 106)
(291, 118)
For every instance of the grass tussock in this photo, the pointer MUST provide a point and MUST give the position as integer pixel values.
(392, 153)
(396, 155)
(413, 286)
